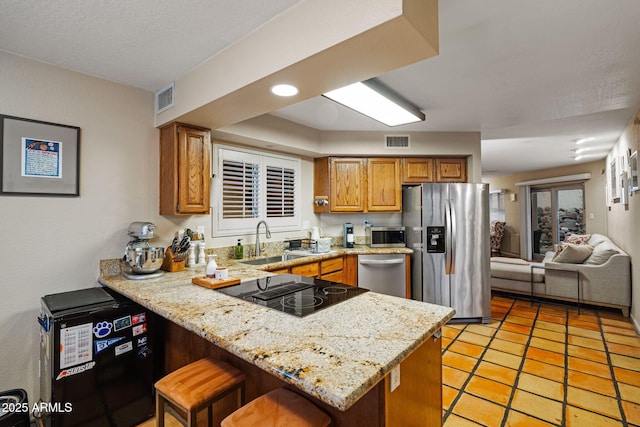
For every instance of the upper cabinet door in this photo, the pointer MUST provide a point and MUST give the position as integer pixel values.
(417, 169)
(185, 170)
(451, 170)
(384, 187)
(347, 192)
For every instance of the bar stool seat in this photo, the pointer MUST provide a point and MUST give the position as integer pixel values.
(278, 408)
(197, 386)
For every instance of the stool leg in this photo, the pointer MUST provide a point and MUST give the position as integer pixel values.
(159, 410)
(210, 415)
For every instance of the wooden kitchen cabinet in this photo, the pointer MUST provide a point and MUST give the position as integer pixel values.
(384, 185)
(416, 170)
(310, 270)
(185, 169)
(331, 269)
(357, 185)
(451, 169)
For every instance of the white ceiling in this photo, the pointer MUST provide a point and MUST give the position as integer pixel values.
(531, 76)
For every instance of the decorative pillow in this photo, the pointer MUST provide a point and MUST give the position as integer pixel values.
(574, 254)
(601, 254)
(578, 239)
(559, 250)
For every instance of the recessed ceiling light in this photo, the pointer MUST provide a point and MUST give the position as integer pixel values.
(582, 140)
(284, 90)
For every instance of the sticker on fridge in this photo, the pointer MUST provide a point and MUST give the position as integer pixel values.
(138, 318)
(123, 348)
(76, 345)
(122, 323)
(139, 329)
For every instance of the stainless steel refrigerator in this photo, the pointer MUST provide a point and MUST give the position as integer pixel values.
(447, 226)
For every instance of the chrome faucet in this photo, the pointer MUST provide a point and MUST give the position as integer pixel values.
(267, 234)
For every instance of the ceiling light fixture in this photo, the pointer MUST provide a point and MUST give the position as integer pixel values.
(377, 101)
(284, 90)
(582, 140)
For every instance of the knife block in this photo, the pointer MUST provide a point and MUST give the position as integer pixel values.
(172, 262)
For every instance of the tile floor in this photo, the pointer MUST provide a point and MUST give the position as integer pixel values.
(542, 365)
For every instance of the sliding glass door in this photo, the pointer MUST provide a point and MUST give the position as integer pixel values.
(556, 212)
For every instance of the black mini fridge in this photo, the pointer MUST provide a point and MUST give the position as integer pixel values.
(98, 358)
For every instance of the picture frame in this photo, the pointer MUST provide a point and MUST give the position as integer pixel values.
(634, 184)
(613, 181)
(38, 158)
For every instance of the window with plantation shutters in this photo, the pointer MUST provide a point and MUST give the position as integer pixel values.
(251, 186)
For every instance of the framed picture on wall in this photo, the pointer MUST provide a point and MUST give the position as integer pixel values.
(613, 181)
(634, 185)
(39, 158)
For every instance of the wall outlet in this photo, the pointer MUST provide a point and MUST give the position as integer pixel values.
(394, 378)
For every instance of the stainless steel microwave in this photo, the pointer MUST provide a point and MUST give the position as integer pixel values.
(385, 237)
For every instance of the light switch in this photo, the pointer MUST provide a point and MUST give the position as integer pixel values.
(592, 215)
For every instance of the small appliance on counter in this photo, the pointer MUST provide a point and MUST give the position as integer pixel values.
(349, 236)
(385, 237)
(141, 260)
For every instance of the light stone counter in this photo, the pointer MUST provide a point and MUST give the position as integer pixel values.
(336, 354)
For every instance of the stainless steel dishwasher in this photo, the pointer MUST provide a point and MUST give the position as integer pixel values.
(383, 273)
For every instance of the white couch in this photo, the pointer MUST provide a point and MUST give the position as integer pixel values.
(605, 276)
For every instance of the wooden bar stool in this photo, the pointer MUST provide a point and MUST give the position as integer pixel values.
(278, 408)
(197, 386)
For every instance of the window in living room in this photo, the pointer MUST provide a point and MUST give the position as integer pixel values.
(496, 206)
(556, 212)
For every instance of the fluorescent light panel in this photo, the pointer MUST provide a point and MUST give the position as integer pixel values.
(378, 102)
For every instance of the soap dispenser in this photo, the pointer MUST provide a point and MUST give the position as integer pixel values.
(211, 266)
(239, 250)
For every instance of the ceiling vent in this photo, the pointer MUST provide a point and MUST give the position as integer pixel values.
(164, 98)
(396, 141)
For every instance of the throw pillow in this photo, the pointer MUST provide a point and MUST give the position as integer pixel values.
(578, 239)
(559, 250)
(574, 254)
(601, 254)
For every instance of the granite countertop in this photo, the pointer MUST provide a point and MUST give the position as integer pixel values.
(336, 354)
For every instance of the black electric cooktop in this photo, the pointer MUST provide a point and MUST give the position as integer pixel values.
(293, 294)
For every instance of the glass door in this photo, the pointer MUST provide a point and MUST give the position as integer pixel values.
(556, 212)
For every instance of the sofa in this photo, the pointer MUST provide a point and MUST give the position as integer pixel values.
(602, 269)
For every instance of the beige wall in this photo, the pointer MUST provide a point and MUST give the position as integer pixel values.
(594, 197)
(623, 224)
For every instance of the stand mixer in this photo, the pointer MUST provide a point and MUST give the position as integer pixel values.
(141, 260)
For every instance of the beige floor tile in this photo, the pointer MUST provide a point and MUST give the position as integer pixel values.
(625, 362)
(623, 339)
(519, 320)
(537, 406)
(542, 386)
(591, 382)
(497, 373)
(550, 326)
(480, 410)
(448, 394)
(483, 329)
(450, 332)
(626, 350)
(488, 389)
(507, 346)
(619, 331)
(631, 412)
(514, 327)
(626, 324)
(549, 335)
(578, 417)
(454, 377)
(545, 344)
(458, 361)
(456, 421)
(512, 336)
(586, 333)
(473, 338)
(586, 342)
(598, 403)
(630, 393)
(466, 349)
(545, 356)
(504, 359)
(587, 353)
(518, 419)
(545, 370)
(560, 320)
(626, 376)
(594, 368)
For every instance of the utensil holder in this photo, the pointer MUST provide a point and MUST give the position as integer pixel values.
(172, 262)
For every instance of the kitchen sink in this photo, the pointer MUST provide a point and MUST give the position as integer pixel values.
(272, 259)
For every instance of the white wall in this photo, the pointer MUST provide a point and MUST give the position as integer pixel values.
(53, 244)
(623, 221)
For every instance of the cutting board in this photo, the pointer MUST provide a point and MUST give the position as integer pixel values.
(215, 283)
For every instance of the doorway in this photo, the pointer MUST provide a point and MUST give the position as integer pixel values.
(556, 212)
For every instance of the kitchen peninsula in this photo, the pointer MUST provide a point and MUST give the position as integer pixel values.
(341, 357)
